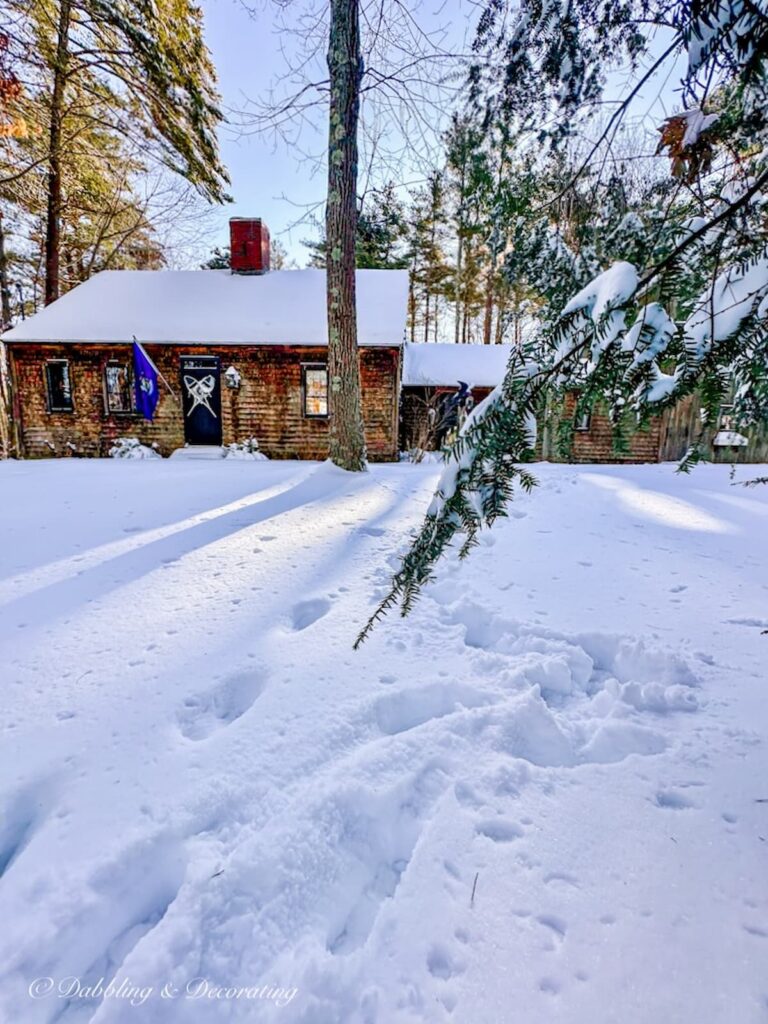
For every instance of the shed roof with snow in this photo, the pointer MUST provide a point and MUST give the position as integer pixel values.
(284, 307)
(443, 365)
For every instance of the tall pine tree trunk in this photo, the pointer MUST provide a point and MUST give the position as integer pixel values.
(501, 308)
(53, 216)
(460, 250)
(347, 440)
(457, 314)
(5, 288)
(489, 290)
(6, 419)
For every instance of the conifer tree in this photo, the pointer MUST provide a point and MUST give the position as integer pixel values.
(380, 236)
(430, 269)
(145, 64)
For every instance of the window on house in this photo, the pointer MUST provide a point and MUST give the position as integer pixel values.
(117, 387)
(726, 421)
(59, 385)
(583, 420)
(315, 389)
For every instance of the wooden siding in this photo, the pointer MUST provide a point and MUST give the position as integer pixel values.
(266, 406)
(682, 425)
(415, 404)
(596, 443)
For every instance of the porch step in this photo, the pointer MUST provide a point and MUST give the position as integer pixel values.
(198, 451)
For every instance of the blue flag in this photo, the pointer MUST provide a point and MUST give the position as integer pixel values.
(145, 375)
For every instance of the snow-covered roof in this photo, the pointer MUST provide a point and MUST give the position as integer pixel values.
(284, 307)
(441, 364)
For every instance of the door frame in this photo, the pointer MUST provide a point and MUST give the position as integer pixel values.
(216, 369)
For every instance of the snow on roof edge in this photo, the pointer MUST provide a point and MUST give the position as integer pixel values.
(215, 308)
(434, 364)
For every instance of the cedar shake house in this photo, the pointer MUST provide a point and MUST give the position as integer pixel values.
(243, 354)
(433, 371)
(252, 342)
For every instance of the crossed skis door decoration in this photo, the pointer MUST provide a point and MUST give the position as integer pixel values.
(200, 378)
(199, 391)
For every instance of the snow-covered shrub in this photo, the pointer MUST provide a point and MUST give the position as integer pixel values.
(248, 449)
(132, 448)
(420, 455)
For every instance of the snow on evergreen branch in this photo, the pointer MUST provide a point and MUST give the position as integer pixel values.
(482, 468)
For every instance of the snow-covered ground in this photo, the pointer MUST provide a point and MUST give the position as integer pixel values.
(542, 798)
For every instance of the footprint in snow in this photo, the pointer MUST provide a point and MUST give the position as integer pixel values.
(561, 878)
(204, 713)
(555, 924)
(499, 830)
(152, 872)
(550, 986)
(408, 709)
(671, 800)
(389, 838)
(373, 531)
(441, 964)
(306, 613)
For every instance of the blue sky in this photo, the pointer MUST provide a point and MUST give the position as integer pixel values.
(244, 50)
(268, 180)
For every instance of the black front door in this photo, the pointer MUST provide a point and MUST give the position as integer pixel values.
(201, 393)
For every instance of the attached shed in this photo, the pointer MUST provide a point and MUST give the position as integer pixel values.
(243, 352)
(431, 372)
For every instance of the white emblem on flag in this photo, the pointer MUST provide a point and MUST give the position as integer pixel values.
(200, 391)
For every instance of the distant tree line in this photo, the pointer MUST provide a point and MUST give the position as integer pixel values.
(495, 238)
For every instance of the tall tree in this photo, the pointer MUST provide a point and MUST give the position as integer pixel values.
(146, 64)
(107, 196)
(381, 230)
(462, 143)
(345, 68)
(430, 269)
(60, 69)
(404, 76)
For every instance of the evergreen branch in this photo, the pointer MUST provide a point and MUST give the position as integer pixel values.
(744, 199)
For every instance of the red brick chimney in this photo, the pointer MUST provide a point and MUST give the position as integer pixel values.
(249, 245)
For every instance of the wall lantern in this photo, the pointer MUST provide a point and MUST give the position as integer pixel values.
(232, 379)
